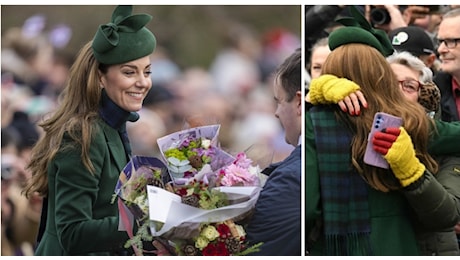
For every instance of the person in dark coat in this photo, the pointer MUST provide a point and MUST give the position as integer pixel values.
(277, 217)
(354, 208)
(76, 164)
(448, 80)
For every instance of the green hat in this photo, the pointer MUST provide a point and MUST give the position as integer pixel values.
(123, 39)
(358, 30)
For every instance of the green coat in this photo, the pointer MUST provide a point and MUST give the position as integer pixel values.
(81, 218)
(392, 214)
(445, 139)
(438, 237)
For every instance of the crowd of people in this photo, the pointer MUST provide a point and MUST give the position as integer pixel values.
(45, 105)
(414, 52)
(70, 123)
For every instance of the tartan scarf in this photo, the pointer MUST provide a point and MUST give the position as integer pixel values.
(344, 193)
(116, 117)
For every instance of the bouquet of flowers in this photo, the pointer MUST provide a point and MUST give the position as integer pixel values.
(190, 202)
(131, 192)
(192, 151)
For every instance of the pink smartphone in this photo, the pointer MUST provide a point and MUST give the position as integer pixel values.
(381, 120)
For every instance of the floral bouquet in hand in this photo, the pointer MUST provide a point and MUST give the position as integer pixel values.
(192, 208)
(191, 151)
(223, 237)
(185, 217)
(131, 194)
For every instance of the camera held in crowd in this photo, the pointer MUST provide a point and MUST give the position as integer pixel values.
(380, 16)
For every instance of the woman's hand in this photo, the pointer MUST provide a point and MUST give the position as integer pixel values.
(396, 147)
(352, 103)
(328, 89)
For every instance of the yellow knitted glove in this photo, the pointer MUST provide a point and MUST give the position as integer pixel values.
(396, 146)
(329, 89)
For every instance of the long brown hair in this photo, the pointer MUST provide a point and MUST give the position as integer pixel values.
(75, 117)
(369, 69)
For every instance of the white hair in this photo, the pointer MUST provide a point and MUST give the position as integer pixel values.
(407, 59)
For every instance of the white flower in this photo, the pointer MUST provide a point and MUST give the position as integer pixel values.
(210, 233)
(254, 170)
(201, 242)
(205, 143)
(240, 230)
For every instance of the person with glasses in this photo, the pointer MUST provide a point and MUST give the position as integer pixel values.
(353, 208)
(413, 72)
(415, 82)
(448, 80)
(431, 205)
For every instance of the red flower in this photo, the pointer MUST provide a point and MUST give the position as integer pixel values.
(223, 230)
(217, 249)
(181, 192)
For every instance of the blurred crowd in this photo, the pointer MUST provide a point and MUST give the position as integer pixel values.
(235, 92)
(424, 37)
(321, 20)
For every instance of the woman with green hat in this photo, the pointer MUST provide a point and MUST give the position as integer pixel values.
(77, 162)
(353, 208)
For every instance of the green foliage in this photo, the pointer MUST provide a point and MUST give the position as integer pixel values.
(251, 249)
(142, 234)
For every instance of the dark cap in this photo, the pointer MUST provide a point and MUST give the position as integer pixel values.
(412, 39)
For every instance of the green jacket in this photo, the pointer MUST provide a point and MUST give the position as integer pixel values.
(438, 237)
(81, 218)
(444, 140)
(392, 214)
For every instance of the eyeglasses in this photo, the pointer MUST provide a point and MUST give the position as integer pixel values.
(410, 85)
(450, 43)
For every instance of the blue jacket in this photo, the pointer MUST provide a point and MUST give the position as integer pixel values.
(277, 217)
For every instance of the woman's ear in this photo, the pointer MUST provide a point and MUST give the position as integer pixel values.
(101, 78)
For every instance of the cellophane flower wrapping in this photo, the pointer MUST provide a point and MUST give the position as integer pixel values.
(191, 151)
(132, 197)
(193, 206)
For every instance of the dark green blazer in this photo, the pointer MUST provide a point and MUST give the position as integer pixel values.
(81, 218)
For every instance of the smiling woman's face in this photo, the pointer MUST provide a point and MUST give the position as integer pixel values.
(127, 84)
(405, 73)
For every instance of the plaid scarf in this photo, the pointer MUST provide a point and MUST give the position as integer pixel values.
(116, 117)
(344, 193)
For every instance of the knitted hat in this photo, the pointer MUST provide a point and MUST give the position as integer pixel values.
(412, 39)
(358, 30)
(123, 39)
